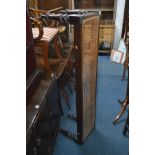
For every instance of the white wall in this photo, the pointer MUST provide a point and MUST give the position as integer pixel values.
(119, 21)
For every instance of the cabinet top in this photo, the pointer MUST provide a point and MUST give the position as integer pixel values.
(36, 102)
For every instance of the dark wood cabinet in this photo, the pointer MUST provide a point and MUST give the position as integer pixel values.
(43, 117)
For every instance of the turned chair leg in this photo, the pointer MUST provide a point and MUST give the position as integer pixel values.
(126, 127)
(64, 36)
(63, 93)
(121, 102)
(57, 46)
(124, 105)
(60, 43)
(124, 71)
(70, 89)
(45, 57)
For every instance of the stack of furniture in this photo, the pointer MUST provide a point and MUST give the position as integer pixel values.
(107, 9)
(45, 36)
(36, 13)
(42, 103)
(125, 103)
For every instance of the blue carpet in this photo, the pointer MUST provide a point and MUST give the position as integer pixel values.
(106, 139)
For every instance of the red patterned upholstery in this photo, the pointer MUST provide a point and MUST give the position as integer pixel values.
(48, 35)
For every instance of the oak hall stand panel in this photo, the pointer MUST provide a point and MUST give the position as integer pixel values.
(86, 51)
(107, 10)
(86, 42)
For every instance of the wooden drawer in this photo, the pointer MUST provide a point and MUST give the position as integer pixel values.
(108, 37)
(108, 30)
(106, 34)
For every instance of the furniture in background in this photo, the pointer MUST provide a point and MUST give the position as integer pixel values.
(126, 126)
(123, 104)
(52, 4)
(54, 65)
(125, 28)
(43, 53)
(32, 72)
(107, 10)
(43, 118)
(43, 37)
(36, 13)
(125, 65)
(42, 103)
(125, 35)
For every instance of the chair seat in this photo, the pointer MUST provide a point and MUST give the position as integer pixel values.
(61, 29)
(48, 33)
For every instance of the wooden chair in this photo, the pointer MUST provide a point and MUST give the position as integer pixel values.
(126, 126)
(36, 13)
(43, 37)
(123, 104)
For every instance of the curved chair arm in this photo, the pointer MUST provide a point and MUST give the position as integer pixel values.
(38, 25)
(37, 11)
(55, 10)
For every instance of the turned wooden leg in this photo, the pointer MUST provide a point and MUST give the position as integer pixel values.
(63, 92)
(124, 71)
(45, 57)
(126, 127)
(64, 36)
(60, 103)
(56, 45)
(68, 134)
(121, 102)
(60, 43)
(73, 82)
(72, 117)
(70, 89)
(126, 102)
